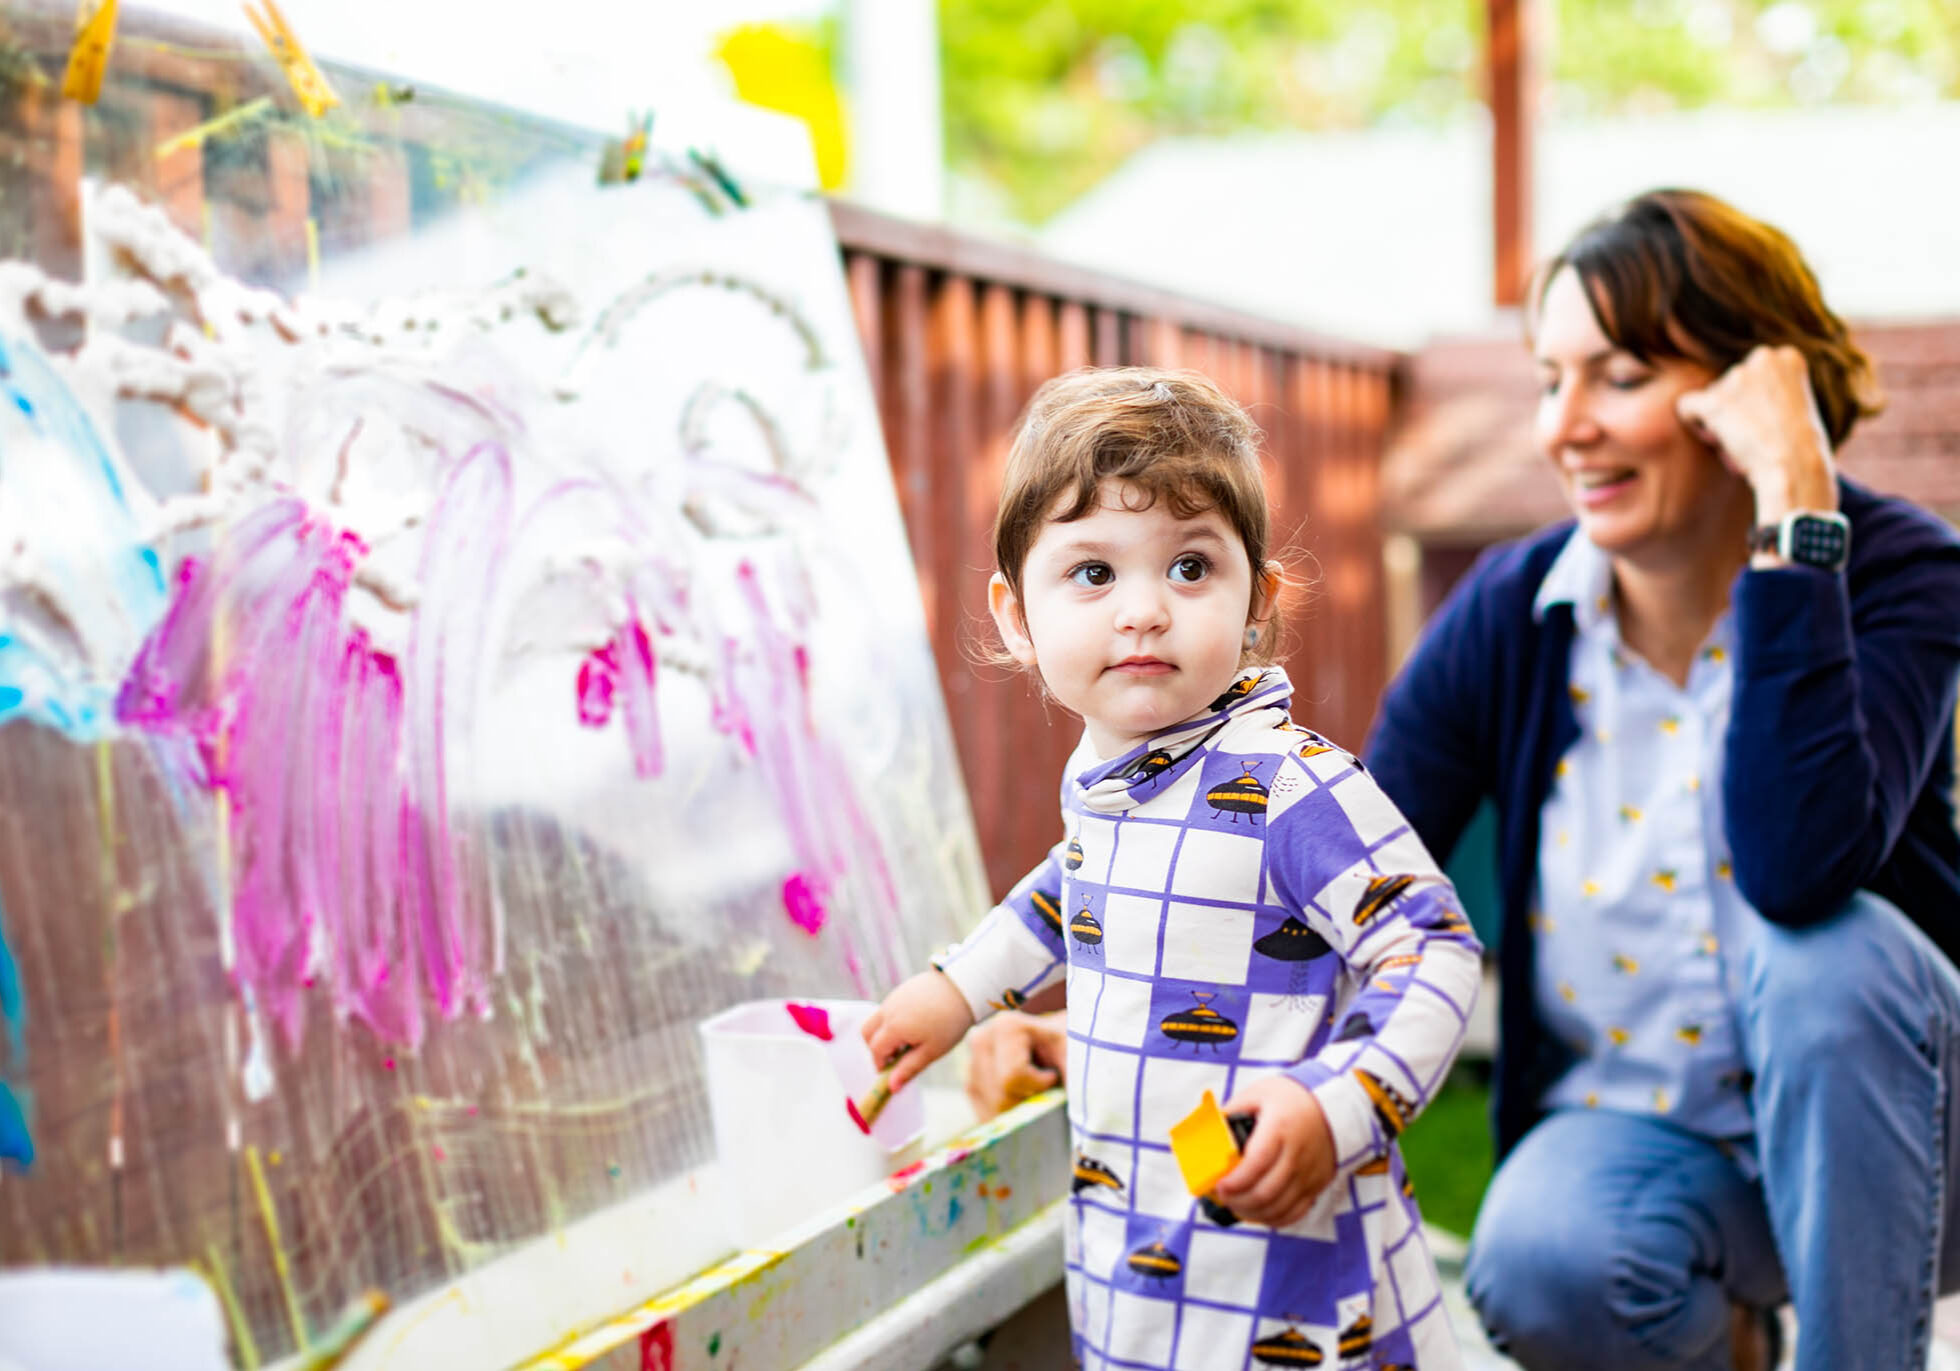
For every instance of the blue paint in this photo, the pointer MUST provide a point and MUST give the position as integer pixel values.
(31, 687)
(13, 1006)
(111, 583)
(15, 1142)
(39, 393)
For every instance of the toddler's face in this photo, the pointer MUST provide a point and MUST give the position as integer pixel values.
(1135, 618)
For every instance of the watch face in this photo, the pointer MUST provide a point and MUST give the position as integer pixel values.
(1816, 541)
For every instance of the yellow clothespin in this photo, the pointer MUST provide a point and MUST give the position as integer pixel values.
(306, 79)
(95, 30)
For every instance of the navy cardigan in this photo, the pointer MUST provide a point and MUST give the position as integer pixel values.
(1840, 743)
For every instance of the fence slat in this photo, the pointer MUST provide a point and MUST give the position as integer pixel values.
(959, 335)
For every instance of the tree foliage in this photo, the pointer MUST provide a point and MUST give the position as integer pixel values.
(1046, 97)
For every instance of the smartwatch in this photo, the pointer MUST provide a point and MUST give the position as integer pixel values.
(1807, 538)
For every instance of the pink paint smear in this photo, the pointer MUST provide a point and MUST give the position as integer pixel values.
(335, 755)
(804, 904)
(350, 875)
(625, 671)
(812, 1019)
(767, 706)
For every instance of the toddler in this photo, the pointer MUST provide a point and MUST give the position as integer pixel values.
(1235, 904)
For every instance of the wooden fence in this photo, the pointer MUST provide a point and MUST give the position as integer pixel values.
(958, 333)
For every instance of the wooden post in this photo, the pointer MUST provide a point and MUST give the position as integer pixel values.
(1508, 57)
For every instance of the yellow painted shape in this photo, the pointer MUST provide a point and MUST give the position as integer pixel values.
(241, 1330)
(88, 57)
(777, 68)
(584, 1348)
(1204, 1146)
(196, 135)
(271, 1219)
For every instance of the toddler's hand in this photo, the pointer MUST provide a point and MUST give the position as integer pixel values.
(921, 1020)
(1289, 1159)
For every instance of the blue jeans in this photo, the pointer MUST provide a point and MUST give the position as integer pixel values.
(1613, 1242)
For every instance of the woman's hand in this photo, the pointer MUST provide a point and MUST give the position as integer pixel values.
(1289, 1159)
(917, 1024)
(1762, 417)
(1012, 1057)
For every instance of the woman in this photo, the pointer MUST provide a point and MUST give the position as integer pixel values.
(1716, 715)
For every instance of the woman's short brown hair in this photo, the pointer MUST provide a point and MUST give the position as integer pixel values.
(1679, 273)
(1173, 435)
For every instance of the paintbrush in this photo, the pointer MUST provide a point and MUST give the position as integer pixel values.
(865, 1111)
(333, 1347)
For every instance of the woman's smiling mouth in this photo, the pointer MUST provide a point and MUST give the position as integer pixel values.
(1594, 488)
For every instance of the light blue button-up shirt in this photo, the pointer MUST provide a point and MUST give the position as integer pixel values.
(1637, 919)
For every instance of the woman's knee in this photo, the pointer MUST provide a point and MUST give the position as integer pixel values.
(1613, 1282)
(1545, 1295)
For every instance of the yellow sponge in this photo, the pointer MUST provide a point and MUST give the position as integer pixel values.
(1206, 1144)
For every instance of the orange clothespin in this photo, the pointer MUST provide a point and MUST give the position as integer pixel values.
(306, 79)
(95, 30)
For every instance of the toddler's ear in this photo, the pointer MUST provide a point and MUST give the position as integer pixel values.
(1009, 621)
(1265, 598)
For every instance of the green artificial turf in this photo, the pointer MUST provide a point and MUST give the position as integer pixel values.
(1448, 1152)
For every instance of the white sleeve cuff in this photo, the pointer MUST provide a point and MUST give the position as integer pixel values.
(1350, 1118)
(998, 964)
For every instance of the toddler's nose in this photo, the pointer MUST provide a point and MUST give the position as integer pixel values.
(1141, 606)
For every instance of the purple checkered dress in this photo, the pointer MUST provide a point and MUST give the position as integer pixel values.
(1235, 897)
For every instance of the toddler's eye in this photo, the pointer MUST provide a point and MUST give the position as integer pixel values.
(1092, 574)
(1190, 568)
